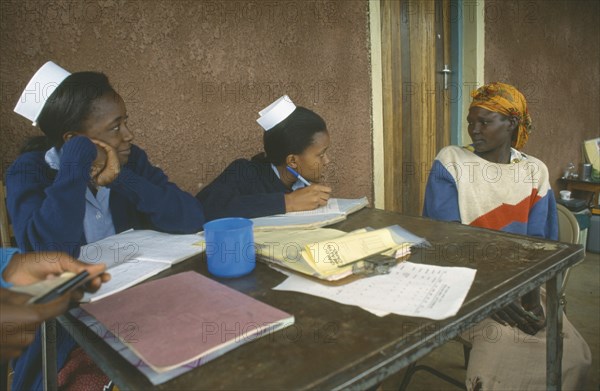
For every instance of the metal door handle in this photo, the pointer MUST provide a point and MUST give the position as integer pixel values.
(446, 72)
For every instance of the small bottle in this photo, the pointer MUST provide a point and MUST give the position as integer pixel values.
(569, 171)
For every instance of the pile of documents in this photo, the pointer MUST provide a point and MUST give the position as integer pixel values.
(330, 254)
(405, 288)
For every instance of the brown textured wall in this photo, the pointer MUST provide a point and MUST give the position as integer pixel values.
(194, 74)
(549, 50)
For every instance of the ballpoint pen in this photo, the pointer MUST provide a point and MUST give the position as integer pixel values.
(294, 173)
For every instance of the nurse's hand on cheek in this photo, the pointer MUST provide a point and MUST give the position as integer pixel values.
(106, 167)
(98, 165)
(307, 198)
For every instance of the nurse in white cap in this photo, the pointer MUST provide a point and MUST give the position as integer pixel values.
(83, 181)
(284, 178)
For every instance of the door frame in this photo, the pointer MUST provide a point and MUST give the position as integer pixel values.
(468, 53)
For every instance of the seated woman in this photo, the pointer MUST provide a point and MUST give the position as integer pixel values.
(296, 138)
(84, 181)
(492, 184)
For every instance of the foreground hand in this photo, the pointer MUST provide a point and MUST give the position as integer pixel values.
(307, 198)
(106, 167)
(18, 321)
(529, 321)
(28, 268)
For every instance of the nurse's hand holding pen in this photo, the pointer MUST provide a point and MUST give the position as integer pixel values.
(308, 198)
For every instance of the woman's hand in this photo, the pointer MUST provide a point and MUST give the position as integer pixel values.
(307, 198)
(527, 315)
(106, 167)
(29, 268)
(18, 320)
(98, 165)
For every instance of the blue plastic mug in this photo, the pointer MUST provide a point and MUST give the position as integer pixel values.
(230, 248)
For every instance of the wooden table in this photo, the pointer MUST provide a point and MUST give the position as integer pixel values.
(587, 186)
(335, 346)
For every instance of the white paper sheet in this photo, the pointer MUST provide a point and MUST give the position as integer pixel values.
(126, 275)
(143, 245)
(335, 211)
(331, 207)
(409, 289)
(136, 255)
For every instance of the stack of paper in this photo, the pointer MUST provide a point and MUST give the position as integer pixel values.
(331, 254)
(336, 210)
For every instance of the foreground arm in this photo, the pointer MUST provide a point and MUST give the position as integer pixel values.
(29, 268)
(19, 321)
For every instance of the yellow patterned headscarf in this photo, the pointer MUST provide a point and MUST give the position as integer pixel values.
(506, 100)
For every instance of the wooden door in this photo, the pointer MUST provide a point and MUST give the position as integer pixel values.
(415, 40)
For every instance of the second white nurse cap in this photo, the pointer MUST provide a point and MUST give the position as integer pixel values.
(39, 89)
(276, 112)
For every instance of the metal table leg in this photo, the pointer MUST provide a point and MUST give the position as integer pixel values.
(554, 345)
(50, 373)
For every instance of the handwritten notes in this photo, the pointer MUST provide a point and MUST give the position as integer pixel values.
(410, 289)
(336, 210)
(136, 255)
(331, 207)
(329, 255)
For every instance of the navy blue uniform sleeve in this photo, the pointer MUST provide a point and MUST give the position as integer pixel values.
(169, 208)
(6, 255)
(243, 190)
(46, 212)
(441, 195)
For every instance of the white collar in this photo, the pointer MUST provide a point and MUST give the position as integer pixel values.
(297, 185)
(52, 157)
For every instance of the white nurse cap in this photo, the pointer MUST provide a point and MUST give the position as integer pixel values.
(276, 112)
(39, 89)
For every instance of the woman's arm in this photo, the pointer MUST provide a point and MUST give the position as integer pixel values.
(169, 208)
(47, 207)
(441, 195)
(239, 191)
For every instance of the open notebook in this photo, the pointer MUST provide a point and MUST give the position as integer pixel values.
(136, 255)
(336, 210)
(184, 318)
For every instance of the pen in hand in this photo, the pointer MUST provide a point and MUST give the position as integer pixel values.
(298, 176)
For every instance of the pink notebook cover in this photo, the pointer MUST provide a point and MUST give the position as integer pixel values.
(181, 318)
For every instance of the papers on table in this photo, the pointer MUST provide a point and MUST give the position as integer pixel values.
(141, 245)
(409, 289)
(136, 255)
(330, 254)
(336, 210)
(333, 206)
